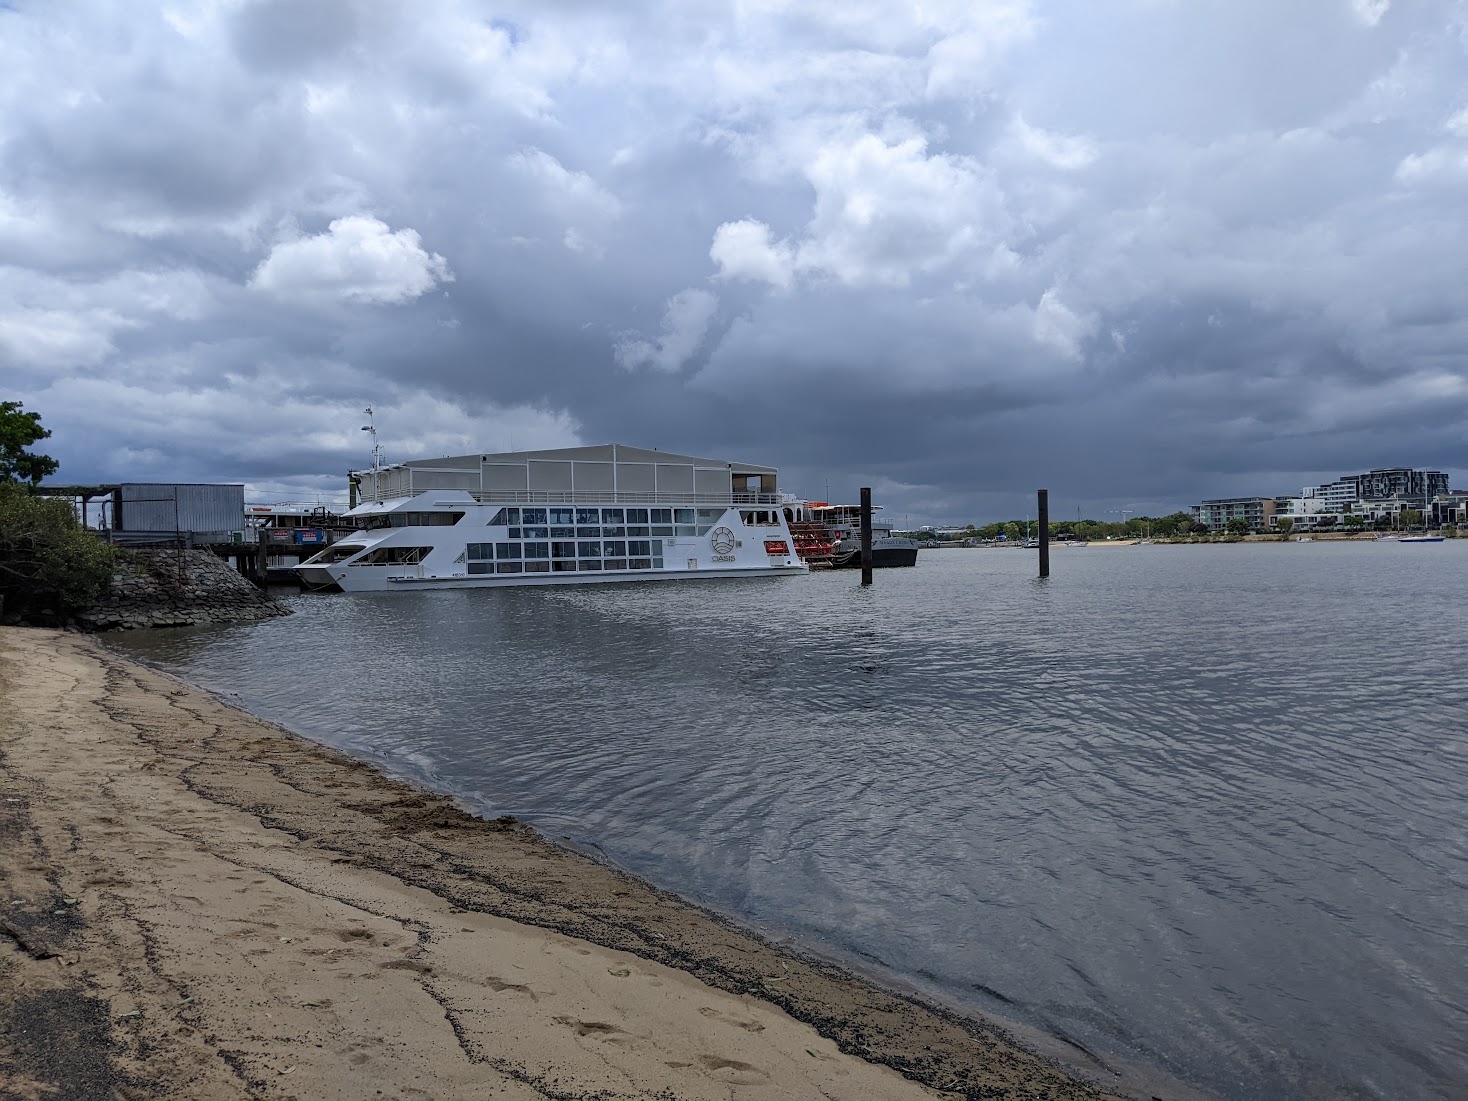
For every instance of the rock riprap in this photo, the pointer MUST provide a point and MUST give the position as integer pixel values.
(169, 588)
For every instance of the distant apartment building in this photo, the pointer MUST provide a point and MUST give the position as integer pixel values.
(1377, 496)
(1257, 512)
(1400, 482)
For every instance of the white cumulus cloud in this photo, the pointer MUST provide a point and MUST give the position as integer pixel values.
(744, 250)
(358, 259)
(685, 321)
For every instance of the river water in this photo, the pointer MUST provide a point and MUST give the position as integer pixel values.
(1197, 808)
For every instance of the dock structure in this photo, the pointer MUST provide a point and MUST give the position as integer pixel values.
(202, 516)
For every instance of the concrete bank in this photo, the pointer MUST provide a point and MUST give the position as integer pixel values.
(198, 904)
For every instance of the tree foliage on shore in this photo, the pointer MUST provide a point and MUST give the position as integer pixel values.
(51, 567)
(1135, 527)
(20, 430)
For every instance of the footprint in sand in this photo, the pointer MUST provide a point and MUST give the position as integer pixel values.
(732, 1071)
(599, 1029)
(499, 986)
(407, 965)
(714, 1015)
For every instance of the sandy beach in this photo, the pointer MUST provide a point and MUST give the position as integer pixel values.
(198, 904)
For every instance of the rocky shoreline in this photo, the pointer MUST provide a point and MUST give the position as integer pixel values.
(177, 588)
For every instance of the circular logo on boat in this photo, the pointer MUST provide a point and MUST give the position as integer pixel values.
(722, 540)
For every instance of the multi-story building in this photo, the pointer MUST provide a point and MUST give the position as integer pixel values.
(1395, 483)
(1377, 497)
(1257, 512)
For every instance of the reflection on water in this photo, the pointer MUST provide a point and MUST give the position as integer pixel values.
(1197, 807)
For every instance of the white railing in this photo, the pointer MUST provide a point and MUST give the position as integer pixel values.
(604, 497)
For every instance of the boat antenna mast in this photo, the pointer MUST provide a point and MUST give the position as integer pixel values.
(371, 427)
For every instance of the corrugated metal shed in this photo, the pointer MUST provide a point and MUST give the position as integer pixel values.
(183, 507)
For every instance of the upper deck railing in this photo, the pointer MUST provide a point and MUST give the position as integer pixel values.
(606, 497)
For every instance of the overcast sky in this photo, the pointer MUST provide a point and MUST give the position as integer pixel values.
(1139, 252)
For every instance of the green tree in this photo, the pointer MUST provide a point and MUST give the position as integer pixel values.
(1285, 524)
(1012, 530)
(1411, 517)
(1355, 521)
(51, 567)
(1237, 526)
(18, 431)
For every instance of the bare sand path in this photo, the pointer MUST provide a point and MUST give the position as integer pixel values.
(197, 904)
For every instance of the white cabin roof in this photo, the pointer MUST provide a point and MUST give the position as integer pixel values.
(599, 453)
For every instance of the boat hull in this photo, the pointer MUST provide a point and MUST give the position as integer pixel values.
(321, 579)
(882, 558)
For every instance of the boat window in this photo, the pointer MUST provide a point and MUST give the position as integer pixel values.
(562, 516)
(616, 548)
(639, 546)
(614, 529)
(394, 556)
(566, 566)
(762, 518)
(588, 516)
(535, 533)
(595, 565)
(616, 563)
(684, 516)
(588, 532)
(537, 567)
(424, 519)
(507, 550)
(662, 516)
(563, 533)
(479, 551)
(637, 516)
(639, 563)
(512, 533)
(588, 550)
(334, 554)
(611, 516)
(507, 567)
(532, 516)
(501, 518)
(563, 550)
(638, 529)
(537, 550)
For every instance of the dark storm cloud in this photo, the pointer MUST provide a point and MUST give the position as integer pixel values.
(1138, 253)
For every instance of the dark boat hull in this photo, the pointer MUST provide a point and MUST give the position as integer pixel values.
(882, 558)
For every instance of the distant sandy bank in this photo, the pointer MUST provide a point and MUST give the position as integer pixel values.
(198, 904)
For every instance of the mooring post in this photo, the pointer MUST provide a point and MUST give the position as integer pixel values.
(1044, 510)
(866, 535)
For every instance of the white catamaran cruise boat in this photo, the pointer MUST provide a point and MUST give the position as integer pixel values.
(570, 516)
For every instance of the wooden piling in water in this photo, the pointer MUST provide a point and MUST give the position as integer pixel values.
(866, 535)
(1044, 510)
